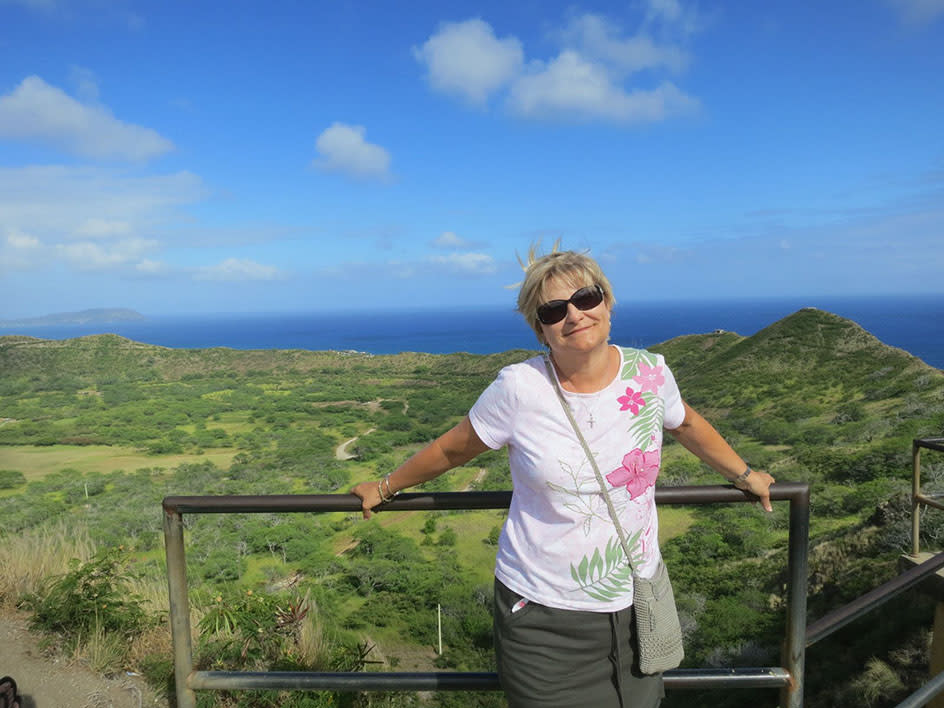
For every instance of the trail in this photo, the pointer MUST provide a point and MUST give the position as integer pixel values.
(389, 518)
(341, 452)
(479, 477)
(49, 682)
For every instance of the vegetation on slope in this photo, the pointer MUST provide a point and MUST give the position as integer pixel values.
(812, 398)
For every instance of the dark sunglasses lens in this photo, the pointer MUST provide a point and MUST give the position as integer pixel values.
(552, 312)
(587, 298)
(584, 299)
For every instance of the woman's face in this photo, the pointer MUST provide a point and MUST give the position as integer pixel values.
(580, 330)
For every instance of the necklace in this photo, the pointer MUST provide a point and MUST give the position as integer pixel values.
(588, 402)
(589, 405)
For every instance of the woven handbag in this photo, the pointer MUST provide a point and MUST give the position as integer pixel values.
(658, 629)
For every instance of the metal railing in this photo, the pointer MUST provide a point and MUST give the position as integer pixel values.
(873, 599)
(789, 677)
(917, 498)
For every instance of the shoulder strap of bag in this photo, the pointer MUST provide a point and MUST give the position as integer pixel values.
(593, 463)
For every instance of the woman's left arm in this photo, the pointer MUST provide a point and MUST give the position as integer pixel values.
(699, 437)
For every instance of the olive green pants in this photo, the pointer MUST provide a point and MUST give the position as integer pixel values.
(565, 658)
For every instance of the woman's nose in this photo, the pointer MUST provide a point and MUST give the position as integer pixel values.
(573, 313)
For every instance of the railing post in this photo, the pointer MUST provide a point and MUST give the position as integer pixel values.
(915, 493)
(793, 657)
(179, 606)
(788, 678)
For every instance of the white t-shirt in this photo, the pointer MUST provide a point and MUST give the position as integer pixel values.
(558, 546)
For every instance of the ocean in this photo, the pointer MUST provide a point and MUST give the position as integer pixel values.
(912, 323)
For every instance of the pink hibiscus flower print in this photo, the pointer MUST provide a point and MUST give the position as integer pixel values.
(649, 378)
(632, 401)
(638, 473)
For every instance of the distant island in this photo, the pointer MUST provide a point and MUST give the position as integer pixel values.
(107, 314)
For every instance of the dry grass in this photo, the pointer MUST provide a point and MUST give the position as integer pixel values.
(29, 558)
(152, 590)
(311, 644)
(878, 683)
(103, 652)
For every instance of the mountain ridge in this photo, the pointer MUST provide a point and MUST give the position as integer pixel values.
(91, 316)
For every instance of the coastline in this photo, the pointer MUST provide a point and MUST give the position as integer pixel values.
(912, 323)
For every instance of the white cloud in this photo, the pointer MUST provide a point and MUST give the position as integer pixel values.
(646, 253)
(89, 218)
(344, 149)
(149, 267)
(918, 13)
(238, 269)
(467, 59)
(41, 5)
(470, 263)
(102, 228)
(587, 80)
(36, 111)
(448, 239)
(596, 37)
(90, 255)
(86, 82)
(20, 251)
(572, 87)
(19, 240)
(54, 202)
(669, 10)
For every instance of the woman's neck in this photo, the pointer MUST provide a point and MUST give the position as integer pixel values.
(586, 372)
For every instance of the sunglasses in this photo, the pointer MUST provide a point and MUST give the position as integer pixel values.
(584, 299)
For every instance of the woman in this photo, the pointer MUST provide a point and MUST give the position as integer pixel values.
(564, 635)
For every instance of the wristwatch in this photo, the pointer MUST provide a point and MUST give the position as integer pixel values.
(743, 476)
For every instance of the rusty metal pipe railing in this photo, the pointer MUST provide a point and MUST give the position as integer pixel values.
(179, 607)
(826, 625)
(915, 498)
(929, 501)
(788, 678)
(918, 499)
(925, 693)
(774, 677)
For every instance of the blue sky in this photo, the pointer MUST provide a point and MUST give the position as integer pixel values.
(186, 157)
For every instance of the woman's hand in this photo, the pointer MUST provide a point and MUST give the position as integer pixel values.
(369, 492)
(758, 483)
(698, 436)
(453, 448)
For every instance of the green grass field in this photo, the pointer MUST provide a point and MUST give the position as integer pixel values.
(36, 462)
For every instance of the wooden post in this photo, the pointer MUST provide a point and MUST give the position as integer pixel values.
(915, 506)
(937, 651)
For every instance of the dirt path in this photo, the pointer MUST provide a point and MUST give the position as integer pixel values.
(480, 475)
(341, 452)
(53, 683)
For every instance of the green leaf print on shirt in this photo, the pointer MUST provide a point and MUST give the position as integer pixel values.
(631, 359)
(608, 576)
(644, 425)
(649, 418)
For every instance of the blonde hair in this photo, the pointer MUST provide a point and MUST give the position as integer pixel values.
(577, 269)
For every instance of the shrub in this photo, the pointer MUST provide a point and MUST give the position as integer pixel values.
(10, 479)
(91, 597)
(448, 537)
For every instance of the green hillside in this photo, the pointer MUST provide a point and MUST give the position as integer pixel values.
(95, 431)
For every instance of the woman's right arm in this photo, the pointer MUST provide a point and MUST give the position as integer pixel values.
(451, 449)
